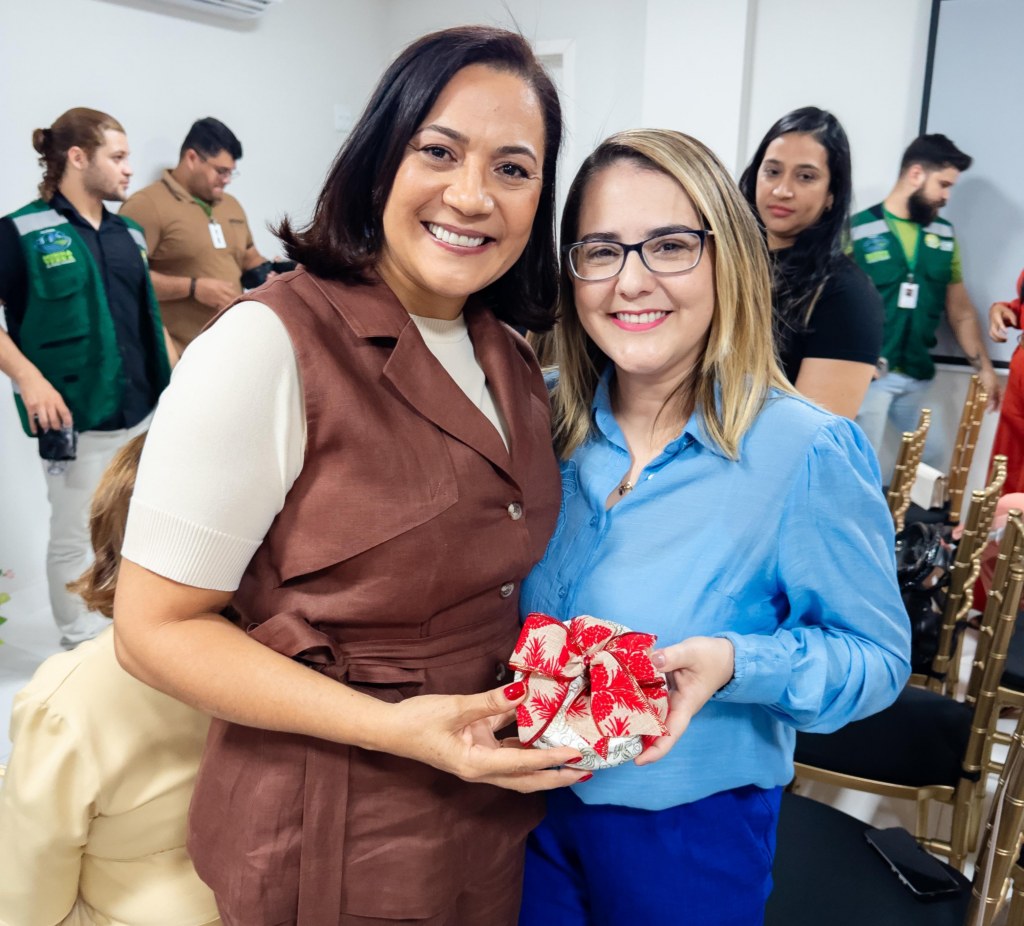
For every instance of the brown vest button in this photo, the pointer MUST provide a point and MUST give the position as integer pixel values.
(507, 589)
(515, 511)
(500, 672)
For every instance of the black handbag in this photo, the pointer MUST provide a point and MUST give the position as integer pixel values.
(924, 557)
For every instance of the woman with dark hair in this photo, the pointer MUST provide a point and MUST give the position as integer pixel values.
(358, 457)
(828, 316)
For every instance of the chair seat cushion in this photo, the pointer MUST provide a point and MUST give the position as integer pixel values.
(826, 873)
(918, 740)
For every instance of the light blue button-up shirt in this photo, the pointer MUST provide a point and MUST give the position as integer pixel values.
(788, 552)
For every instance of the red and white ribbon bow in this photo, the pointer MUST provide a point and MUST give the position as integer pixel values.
(594, 678)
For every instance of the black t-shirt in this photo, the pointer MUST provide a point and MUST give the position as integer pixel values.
(846, 323)
(123, 272)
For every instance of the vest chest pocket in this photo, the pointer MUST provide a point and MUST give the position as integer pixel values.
(58, 274)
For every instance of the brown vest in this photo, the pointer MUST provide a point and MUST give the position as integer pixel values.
(395, 567)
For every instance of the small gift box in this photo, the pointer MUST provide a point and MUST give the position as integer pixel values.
(590, 685)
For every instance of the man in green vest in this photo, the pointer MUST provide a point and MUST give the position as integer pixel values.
(85, 346)
(913, 258)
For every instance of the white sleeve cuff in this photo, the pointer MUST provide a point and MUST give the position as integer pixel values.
(184, 551)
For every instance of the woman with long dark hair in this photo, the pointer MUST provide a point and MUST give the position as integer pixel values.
(358, 457)
(827, 315)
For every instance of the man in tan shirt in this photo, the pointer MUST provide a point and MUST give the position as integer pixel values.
(198, 237)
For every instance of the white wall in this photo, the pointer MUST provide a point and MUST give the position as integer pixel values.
(696, 69)
(157, 69)
(863, 61)
(609, 51)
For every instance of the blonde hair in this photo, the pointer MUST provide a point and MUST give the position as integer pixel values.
(77, 128)
(739, 365)
(107, 519)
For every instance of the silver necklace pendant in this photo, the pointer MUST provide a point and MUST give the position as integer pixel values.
(624, 488)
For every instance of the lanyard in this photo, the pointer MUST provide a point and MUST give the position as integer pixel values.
(912, 264)
(206, 207)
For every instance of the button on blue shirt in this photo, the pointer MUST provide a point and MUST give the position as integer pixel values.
(787, 551)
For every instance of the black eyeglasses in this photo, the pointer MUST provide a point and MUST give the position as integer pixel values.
(225, 173)
(677, 252)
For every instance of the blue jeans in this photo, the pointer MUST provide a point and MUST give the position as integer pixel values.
(897, 397)
(708, 863)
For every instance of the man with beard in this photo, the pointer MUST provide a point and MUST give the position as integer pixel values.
(913, 259)
(198, 236)
(85, 345)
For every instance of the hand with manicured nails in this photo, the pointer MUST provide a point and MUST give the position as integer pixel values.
(697, 668)
(46, 409)
(455, 733)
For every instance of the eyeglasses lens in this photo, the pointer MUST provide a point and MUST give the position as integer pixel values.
(601, 260)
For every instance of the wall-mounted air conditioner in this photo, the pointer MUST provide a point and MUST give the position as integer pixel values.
(237, 9)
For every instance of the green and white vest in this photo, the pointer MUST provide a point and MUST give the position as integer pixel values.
(908, 333)
(67, 331)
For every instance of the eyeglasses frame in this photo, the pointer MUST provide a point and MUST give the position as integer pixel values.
(233, 172)
(627, 249)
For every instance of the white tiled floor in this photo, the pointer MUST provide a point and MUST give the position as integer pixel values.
(29, 636)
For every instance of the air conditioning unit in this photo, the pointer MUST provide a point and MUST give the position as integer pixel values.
(237, 9)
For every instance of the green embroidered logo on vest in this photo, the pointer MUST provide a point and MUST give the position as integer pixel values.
(931, 240)
(55, 247)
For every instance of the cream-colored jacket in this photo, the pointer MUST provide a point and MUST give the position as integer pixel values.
(94, 801)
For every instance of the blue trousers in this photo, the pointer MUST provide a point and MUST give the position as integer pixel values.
(708, 863)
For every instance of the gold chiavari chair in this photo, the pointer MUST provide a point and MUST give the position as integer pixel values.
(1001, 844)
(1016, 912)
(905, 471)
(926, 746)
(963, 449)
(966, 569)
(964, 573)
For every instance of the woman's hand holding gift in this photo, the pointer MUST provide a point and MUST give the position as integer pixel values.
(698, 667)
(455, 733)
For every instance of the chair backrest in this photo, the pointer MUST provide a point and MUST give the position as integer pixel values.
(905, 471)
(1011, 551)
(1006, 818)
(966, 568)
(963, 449)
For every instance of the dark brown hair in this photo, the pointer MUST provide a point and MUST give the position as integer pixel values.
(107, 519)
(77, 128)
(345, 237)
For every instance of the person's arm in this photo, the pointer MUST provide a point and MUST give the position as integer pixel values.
(213, 476)
(963, 319)
(46, 808)
(838, 385)
(216, 294)
(252, 258)
(843, 653)
(42, 401)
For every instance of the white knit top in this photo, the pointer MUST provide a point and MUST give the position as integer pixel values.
(228, 439)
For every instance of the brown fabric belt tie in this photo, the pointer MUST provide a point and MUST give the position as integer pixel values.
(396, 663)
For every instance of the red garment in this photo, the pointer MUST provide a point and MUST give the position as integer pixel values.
(1010, 433)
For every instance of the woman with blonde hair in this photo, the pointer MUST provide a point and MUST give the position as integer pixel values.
(95, 799)
(705, 502)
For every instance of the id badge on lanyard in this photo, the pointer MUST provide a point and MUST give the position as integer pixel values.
(908, 294)
(217, 234)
